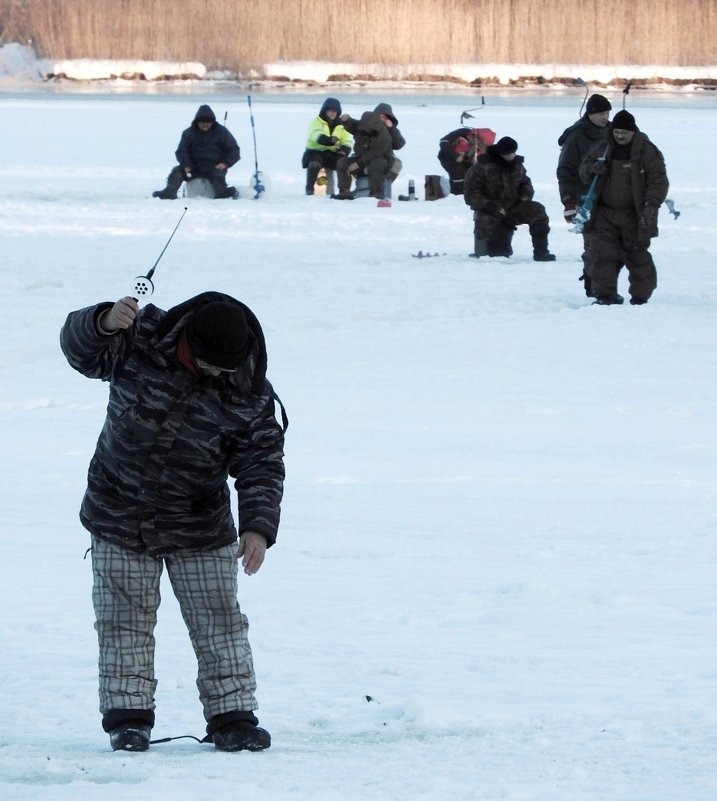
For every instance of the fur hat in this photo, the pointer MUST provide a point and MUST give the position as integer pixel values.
(597, 103)
(506, 146)
(624, 121)
(218, 334)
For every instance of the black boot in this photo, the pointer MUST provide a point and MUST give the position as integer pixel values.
(539, 235)
(500, 241)
(131, 736)
(237, 731)
(174, 181)
(241, 736)
(312, 173)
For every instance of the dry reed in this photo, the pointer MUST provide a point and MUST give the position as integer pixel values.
(247, 34)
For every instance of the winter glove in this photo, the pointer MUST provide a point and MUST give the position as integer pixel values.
(493, 209)
(599, 168)
(345, 150)
(326, 141)
(647, 224)
(570, 211)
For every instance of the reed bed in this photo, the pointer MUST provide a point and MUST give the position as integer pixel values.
(244, 35)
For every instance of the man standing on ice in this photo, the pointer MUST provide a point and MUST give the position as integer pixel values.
(575, 143)
(632, 187)
(189, 406)
(206, 150)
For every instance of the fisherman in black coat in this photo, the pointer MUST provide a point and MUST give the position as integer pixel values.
(206, 149)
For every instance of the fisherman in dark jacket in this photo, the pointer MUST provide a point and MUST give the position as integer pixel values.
(499, 191)
(575, 143)
(189, 406)
(206, 150)
(376, 137)
(633, 185)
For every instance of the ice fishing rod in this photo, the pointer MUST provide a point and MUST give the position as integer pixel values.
(143, 286)
(466, 115)
(581, 82)
(257, 186)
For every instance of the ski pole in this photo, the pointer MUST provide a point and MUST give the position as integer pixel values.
(143, 285)
(258, 187)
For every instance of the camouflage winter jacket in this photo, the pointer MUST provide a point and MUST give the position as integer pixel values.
(373, 139)
(575, 143)
(493, 180)
(158, 478)
(637, 181)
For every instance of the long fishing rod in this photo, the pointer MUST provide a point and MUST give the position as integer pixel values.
(143, 286)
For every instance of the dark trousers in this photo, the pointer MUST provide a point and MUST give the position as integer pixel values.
(614, 240)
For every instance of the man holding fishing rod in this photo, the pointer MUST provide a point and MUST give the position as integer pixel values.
(189, 406)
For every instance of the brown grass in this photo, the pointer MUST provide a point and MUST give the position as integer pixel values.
(240, 35)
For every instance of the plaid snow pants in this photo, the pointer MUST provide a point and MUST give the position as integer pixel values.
(126, 597)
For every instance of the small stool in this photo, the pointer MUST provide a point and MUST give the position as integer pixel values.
(361, 189)
(199, 187)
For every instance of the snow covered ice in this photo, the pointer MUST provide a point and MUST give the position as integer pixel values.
(499, 521)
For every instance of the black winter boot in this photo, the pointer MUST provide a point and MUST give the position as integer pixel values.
(312, 173)
(500, 241)
(174, 181)
(237, 731)
(539, 235)
(131, 736)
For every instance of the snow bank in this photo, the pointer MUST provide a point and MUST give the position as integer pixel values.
(19, 62)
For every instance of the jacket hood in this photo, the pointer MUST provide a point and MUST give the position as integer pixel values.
(176, 318)
(330, 104)
(204, 113)
(384, 108)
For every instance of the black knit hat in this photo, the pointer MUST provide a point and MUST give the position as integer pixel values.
(624, 121)
(218, 334)
(506, 146)
(597, 103)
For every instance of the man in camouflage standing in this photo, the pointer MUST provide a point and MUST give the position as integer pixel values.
(633, 185)
(189, 405)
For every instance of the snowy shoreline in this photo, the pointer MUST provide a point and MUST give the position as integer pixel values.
(19, 63)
